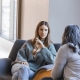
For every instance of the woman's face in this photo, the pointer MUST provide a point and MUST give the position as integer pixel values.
(43, 31)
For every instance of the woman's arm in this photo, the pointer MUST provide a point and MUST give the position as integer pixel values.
(49, 54)
(60, 61)
(21, 56)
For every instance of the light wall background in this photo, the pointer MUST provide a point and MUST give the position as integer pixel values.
(61, 14)
(32, 11)
(29, 13)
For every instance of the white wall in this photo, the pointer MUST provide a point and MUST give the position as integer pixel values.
(33, 11)
(62, 13)
(5, 45)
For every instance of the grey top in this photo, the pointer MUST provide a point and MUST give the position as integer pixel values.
(43, 56)
(67, 63)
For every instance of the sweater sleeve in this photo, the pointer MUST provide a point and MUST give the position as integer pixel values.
(60, 61)
(21, 55)
(49, 54)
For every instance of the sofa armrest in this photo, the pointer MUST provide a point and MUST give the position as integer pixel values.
(44, 68)
(5, 66)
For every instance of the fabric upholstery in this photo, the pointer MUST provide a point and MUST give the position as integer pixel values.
(17, 45)
(5, 63)
(5, 69)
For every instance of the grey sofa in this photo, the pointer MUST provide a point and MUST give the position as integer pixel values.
(5, 63)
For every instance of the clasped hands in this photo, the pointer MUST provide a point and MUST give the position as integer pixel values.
(25, 63)
(39, 42)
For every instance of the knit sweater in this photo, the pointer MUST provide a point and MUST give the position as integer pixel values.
(44, 56)
(67, 63)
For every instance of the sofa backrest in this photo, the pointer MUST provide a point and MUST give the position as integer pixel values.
(18, 44)
(57, 46)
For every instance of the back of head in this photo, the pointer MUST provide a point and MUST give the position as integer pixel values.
(71, 35)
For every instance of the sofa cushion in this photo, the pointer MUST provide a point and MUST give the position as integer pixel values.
(5, 69)
(17, 45)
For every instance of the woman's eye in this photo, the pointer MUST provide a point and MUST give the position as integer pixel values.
(45, 29)
(41, 29)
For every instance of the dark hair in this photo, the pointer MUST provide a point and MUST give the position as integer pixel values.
(47, 39)
(71, 35)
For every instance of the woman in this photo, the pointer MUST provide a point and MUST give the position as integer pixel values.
(67, 62)
(34, 53)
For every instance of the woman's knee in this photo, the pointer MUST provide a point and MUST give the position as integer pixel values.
(25, 68)
(15, 76)
(23, 73)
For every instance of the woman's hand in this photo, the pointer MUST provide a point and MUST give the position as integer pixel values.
(25, 63)
(39, 42)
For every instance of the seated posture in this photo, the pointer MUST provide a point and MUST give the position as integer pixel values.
(67, 62)
(34, 53)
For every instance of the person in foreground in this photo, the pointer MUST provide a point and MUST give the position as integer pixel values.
(34, 53)
(67, 62)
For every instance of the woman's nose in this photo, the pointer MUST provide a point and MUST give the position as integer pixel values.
(43, 31)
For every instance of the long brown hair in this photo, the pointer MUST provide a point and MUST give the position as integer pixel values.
(47, 40)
